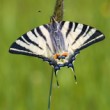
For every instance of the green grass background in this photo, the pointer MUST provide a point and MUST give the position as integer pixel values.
(24, 81)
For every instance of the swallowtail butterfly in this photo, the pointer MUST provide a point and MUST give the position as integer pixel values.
(57, 42)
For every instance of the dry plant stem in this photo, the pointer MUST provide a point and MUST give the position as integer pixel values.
(58, 11)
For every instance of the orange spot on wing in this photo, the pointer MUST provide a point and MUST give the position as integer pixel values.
(56, 56)
(65, 54)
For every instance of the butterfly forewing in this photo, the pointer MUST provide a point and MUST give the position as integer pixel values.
(35, 42)
(80, 36)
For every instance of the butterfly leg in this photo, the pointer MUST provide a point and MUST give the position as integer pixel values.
(72, 67)
(56, 68)
(56, 77)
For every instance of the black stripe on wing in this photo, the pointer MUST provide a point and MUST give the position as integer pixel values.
(47, 27)
(69, 28)
(30, 41)
(84, 30)
(15, 48)
(20, 50)
(96, 37)
(76, 24)
(40, 33)
(62, 24)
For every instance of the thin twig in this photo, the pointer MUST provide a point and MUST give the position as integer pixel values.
(50, 91)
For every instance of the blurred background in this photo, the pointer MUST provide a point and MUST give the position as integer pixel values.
(25, 81)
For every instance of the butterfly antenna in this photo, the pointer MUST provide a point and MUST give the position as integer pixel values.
(56, 78)
(50, 91)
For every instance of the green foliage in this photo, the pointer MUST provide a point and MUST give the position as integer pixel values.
(24, 81)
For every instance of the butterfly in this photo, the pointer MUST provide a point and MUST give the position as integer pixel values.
(57, 42)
